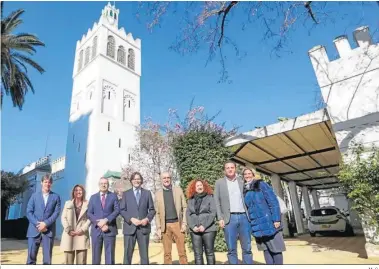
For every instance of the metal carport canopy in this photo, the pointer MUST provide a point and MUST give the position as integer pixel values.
(302, 149)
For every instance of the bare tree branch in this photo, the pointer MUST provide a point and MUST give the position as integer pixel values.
(205, 23)
(307, 5)
(226, 11)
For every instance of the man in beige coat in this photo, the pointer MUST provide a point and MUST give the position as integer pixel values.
(170, 207)
(75, 238)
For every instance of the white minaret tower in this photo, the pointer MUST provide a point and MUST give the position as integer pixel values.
(105, 103)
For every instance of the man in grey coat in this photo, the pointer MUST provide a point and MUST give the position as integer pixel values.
(137, 209)
(232, 214)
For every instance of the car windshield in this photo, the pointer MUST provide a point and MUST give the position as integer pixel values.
(323, 212)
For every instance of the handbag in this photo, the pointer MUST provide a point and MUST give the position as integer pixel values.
(282, 205)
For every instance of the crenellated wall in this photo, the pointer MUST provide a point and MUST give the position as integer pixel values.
(350, 88)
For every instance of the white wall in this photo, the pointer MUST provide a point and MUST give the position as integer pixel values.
(349, 87)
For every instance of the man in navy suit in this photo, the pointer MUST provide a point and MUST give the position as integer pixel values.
(42, 211)
(137, 209)
(103, 209)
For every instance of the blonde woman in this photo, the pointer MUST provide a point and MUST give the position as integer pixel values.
(75, 238)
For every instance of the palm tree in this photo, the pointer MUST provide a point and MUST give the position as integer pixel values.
(15, 51)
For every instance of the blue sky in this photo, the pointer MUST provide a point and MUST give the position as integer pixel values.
(264, 87)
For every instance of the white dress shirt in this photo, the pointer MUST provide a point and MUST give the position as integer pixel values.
(45, 197)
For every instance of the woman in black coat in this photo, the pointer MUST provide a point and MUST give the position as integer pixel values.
(201, 214)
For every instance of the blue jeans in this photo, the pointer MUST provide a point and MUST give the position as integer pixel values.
(238, 228)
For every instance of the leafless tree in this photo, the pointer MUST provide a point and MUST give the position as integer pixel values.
(209, 23)
(152, 156)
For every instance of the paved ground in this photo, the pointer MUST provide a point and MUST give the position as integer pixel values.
(301, 250)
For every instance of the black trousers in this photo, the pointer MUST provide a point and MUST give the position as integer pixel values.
(204, 241)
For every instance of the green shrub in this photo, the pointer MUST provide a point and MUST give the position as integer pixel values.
(359, 175)
(199, 153)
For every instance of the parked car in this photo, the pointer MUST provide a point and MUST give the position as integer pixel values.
(329, 219)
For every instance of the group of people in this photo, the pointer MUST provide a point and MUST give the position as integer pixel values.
(241, 206)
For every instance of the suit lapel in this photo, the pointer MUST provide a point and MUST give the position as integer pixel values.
(140, 198)
(42, 202)
(106, 199)
(174, 194)
(49, 198)
(133, 197)
(240, 184)
(161, 203)
(225, 188)
(99, 200)
(72, 205)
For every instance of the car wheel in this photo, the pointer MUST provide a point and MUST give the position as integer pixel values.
(349, 231)
(312, 234)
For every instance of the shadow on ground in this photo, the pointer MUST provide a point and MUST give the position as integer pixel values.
(353, 244)
(176, 262)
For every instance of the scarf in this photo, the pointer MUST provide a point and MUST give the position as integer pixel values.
(198, 199)
(252, 185)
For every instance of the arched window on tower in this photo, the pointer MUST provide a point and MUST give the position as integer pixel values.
(94, 47)
(88, 51)
(80, 62)
(109, 102)
(121, 55)
(111, 46)
(131, 59)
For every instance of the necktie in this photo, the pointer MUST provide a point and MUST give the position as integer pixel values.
(138, 196)
(103, 200)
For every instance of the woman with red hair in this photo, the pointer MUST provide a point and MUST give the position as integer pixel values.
(201, 214)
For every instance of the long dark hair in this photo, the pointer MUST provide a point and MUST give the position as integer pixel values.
(83, 191)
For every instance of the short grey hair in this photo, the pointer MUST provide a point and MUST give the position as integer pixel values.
(104, 178)
(166, 172)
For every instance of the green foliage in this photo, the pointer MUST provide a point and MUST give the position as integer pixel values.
(220, 244)
(360, 178)
(11, 186)
(199, 153)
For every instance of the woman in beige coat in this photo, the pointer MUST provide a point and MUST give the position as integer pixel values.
(75, 238)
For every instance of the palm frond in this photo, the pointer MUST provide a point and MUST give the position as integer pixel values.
(14, 69)
(11, 20)
(28, 61)
(9, 43)
(28, 38)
